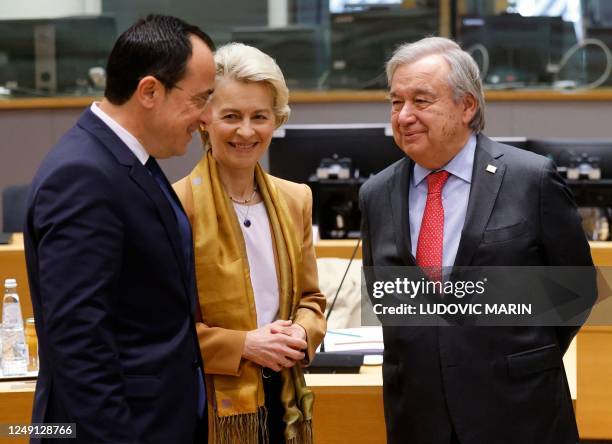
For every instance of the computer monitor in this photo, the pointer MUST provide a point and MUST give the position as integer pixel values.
(568, 153)
(296, 150)
(563, 151)
(298, 49)
(53, 55)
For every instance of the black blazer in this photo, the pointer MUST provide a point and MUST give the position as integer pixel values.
(491, 384)
(112, 296)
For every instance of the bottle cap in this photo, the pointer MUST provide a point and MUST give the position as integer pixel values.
(10, 283)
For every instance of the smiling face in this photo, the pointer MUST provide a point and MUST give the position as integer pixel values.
(241, 123)
(180, 110)
(428, 125)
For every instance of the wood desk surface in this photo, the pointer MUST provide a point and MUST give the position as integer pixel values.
(348, 408)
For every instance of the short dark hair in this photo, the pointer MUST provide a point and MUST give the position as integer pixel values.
(157, 45)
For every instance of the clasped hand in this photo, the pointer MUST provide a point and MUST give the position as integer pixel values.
(276, 345)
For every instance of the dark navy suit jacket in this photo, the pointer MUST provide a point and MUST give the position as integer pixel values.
(113, 298)
(491, 385)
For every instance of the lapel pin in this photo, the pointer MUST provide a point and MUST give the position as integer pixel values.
(198, 180)
(491, 169)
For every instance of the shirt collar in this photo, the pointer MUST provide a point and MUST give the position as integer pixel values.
(126, 137)
(459, 166)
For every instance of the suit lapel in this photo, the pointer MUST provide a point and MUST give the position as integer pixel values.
(139, 174)
(143, 178)
(398, 189)
(483, 193)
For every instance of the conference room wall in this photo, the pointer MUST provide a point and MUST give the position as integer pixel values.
(27, 135)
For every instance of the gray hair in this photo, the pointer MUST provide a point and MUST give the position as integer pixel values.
(464, 76)
(248, 64)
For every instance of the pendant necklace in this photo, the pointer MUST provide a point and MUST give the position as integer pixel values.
(245, 217)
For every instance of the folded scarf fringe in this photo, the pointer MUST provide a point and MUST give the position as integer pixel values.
(249, 427)
(243, 429)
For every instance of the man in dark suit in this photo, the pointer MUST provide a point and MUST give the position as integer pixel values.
(461, 199)
(109, 252)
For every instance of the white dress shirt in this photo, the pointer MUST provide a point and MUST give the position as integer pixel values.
(126, 137)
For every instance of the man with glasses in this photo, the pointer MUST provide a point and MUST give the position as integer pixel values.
(109, 250)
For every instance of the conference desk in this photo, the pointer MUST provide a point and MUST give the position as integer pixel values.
(348, 408)
(358, 399)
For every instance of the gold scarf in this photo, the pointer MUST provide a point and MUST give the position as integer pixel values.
(227, 301)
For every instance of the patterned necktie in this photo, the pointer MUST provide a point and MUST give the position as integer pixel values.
(431, 235)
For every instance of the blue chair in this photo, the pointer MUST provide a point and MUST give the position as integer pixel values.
(14, 208)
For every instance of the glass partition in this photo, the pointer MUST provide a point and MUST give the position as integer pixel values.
(558, 44)
(319, 44)
(53, 48)
(47, 56)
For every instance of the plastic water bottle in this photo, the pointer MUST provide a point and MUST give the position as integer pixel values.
(14, 351)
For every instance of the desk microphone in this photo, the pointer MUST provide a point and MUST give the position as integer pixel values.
(337, 362)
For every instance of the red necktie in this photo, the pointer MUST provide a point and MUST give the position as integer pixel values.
(431, 235)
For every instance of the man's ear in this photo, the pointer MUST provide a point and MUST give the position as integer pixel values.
(470, 106)
(148, 91)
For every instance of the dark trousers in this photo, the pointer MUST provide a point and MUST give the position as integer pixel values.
(454, 439)
(272, 390)
(202, 429)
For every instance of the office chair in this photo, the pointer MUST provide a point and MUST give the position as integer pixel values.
(14, 208)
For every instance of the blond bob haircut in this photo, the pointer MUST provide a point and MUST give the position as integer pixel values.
(248, 64)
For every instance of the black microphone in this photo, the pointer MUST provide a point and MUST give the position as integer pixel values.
(337, 362)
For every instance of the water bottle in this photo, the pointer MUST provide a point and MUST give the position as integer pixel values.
(14, 351)
(32, 344)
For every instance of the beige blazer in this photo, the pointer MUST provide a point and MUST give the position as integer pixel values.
(222, 348)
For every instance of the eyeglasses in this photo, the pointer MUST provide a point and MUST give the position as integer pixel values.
(198, 100)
